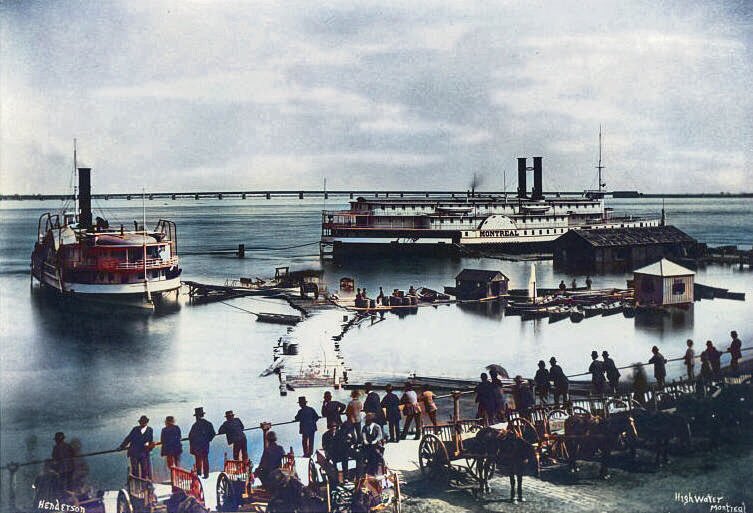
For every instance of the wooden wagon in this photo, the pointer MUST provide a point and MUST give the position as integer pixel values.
(382, 490)
(239, 489)
(142, 495)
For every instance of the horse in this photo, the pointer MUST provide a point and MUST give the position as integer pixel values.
(289, 495)
(587, 435)
(660, 428)
(182, 502)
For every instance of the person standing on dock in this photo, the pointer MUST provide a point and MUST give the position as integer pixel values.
(232, 428)
(391, 404)
(574, 284)
(373, 444)
(715, 359)
(486, 399)
(735, 352)
(380, 297)
(139, 443)
(562, 287)
(597, 374)
(62, 461)
(613, 374)
(411, 410)
(521, 393)
(354, 409)
(199, 438)
(689, 360)
(588, 282)
(560, 381)
(640, 384)
(541, 379)
(427, 399)
(171, 447)
(306, 418)
(271, 459)
(660, 369)
(373, 404)
(500, 404)
(332, 410)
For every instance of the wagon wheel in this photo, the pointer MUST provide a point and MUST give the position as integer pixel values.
(226, 499)
(319, 481)
(524, 429)
(397, 499)
(124, 502)
(342, 498)
(577, 410)
(433, 458)
(616, 405)
(481, 469)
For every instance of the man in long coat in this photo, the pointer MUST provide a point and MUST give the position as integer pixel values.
(201, 434)
(139, 443)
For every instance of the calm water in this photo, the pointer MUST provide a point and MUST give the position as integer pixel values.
(93, 372)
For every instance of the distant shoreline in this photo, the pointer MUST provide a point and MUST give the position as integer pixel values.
(301, 194)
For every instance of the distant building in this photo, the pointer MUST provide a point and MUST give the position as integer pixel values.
(479, 284)
(621, 249)
(663, 283)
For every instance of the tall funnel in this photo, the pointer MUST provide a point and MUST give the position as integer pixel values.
(85, 197)
(538, 190)
(522, 177)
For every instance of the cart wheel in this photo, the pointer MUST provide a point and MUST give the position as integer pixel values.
(226, 500)
(124, 502)
(523, 428)
(397, 505)
(433, 458)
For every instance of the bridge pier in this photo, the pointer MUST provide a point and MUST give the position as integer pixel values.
(300, 195)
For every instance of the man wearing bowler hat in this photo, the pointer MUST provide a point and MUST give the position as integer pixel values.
(62, 461)
(232, 428)
(139, 443)
(306, 418)
(201, 434)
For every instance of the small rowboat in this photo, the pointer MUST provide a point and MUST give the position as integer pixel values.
(576, 315)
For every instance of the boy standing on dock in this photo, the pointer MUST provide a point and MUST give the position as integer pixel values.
(232, 428)
(170, 441)
(306, 418)
(689, 359)
(201, 434)
(597, 373)
(714, 357)
(660, 369)
(541, 379)
(391, 405)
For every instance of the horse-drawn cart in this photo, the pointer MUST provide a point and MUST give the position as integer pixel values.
(142, 495)
(239, 489)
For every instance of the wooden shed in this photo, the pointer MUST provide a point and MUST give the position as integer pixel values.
(479, 284)
(621, 249)
(663, 283)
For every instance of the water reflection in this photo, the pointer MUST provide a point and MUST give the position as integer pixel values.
(671, 320)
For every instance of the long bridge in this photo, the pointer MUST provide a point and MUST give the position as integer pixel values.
(346, 193)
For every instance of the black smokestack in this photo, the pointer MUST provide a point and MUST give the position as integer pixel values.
(84, 197)
(522, 177)
(538, 191)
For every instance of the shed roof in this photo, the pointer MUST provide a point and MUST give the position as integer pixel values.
(605, 237)
(480, 275)
(664, 267)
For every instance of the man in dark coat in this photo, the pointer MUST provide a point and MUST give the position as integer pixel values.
(372, 404)
(486, 399)
(541, 379)
(201, 434)
(391, 404)
(171, 447)
(714, 357)
(232, 428)
(271, 459)
(660, 369)
(139, 443)
(522, 395)
(332, 410)
(597, 374)
(62, 461)
(560, 381)
(613, 374)
(735, 352)
(500, 404)
(306, 418)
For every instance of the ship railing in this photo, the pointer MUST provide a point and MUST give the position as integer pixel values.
(112, 264)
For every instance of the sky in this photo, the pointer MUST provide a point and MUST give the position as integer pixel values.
(189, 95)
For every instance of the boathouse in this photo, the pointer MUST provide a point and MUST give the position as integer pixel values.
(621, 249)
(663, 283)
(479, 284)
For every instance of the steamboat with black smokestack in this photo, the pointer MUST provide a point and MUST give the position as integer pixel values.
(526, 222)
(75, 255)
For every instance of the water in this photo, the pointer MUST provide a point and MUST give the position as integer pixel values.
(91, 372)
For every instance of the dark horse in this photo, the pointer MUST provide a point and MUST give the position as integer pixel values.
(660, 428)
(589, 435)
(289, 495)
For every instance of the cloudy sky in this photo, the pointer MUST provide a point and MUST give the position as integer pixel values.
(242, 95)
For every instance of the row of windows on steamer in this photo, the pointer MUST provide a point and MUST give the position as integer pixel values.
(552, 231)
(431, 208)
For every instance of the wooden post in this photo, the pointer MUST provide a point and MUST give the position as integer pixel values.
(456, 420)
(241, 250)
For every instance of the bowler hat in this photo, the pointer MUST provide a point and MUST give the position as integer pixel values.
(302, 398)
(143, 418)
(604, 353)
(552, 360)
(198, 412)
(594, 354)
(169, 418)
(229, 413)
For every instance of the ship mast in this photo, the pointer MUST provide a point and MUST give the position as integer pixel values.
(75, 182)
(146, 279)
(600, 167)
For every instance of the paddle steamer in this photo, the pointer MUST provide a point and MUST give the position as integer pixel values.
(529, 222)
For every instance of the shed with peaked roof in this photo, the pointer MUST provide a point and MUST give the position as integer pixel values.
(621, 249)
(480, 284)
(663, 283)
